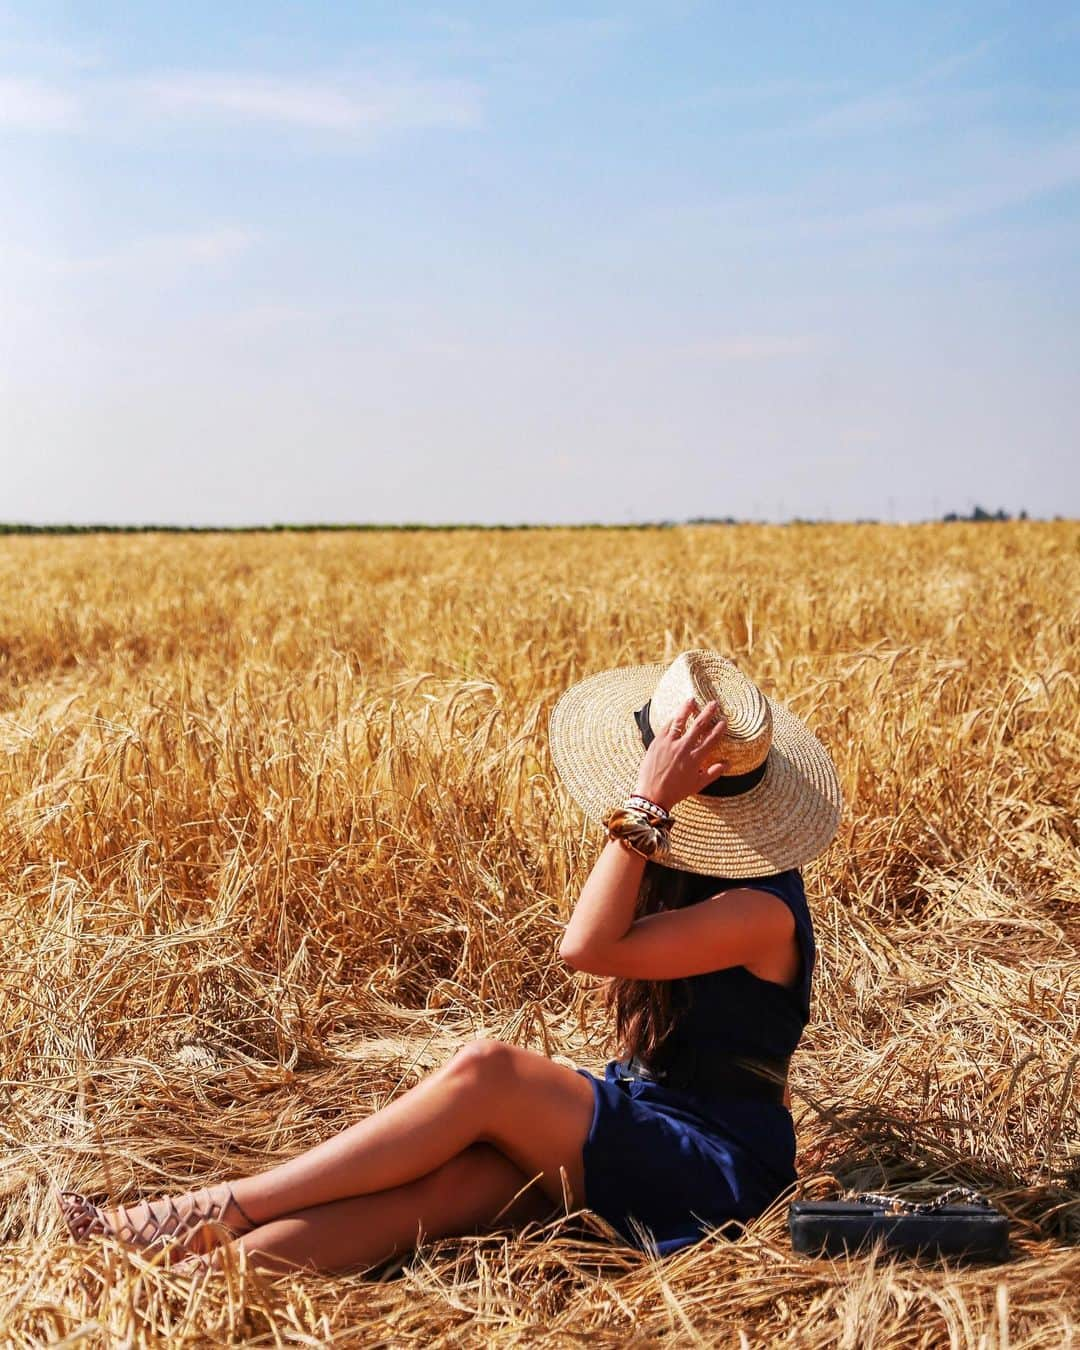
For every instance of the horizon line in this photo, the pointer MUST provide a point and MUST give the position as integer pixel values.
(977, 516)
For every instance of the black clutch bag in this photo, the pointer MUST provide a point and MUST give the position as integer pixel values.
(959, 1223)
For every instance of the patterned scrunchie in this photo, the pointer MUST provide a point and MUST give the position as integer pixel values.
(637, 830)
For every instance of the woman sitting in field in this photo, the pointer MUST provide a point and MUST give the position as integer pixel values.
(696, 908)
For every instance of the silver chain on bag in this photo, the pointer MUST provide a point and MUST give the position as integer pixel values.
(893, 1204)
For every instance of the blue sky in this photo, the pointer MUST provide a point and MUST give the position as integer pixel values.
(528, 262)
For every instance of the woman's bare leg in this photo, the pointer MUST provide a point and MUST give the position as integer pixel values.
(536, 1112)
(477, 1191)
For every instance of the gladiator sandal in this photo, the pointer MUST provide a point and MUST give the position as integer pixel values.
(84, 1219)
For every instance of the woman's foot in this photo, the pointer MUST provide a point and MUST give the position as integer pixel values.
(188, 1221)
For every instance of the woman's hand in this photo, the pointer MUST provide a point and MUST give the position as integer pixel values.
(678, 762)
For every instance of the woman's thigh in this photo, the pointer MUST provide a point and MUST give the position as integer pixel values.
(537, 1112)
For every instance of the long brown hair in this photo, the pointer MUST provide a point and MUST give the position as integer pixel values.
(648, 1011)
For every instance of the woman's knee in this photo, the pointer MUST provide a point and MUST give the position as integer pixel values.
(483, 1060)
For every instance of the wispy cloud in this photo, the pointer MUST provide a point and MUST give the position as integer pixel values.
(579, 29)
(158, 252)
(989, 184)
(362, 107)
(765, 91)
(961, 60)
(913, 102)
(875, 112)
(453, 25)
(1009, 182)
(34, 105)
(198, 248)
(46, 57)
(908, 102)
(369, 104)
(749, 347)
(893, 109)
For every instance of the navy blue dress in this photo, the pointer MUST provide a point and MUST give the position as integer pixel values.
(674, 1163)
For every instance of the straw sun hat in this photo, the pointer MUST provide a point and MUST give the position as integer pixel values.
(776, 805)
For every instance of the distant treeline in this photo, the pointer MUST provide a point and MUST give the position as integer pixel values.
(977, 514)
(308, 529)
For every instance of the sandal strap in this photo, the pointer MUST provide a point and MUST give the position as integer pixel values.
(232, 1200)
(74, 1204)
(157, 1228)
(154, 1231)
(150, 1231)
(208, 1208)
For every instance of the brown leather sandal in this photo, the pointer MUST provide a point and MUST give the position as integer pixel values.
(84, 1219)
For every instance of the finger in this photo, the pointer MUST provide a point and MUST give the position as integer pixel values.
(704, 725)
(713, 736)
(713, 771)
(677, 725)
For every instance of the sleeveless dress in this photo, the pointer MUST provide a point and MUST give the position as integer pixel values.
(677, 1164)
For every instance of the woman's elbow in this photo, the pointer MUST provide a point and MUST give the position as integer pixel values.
(570, 956)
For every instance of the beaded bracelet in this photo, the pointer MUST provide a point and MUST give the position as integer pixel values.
(634, 828)
(639, 803)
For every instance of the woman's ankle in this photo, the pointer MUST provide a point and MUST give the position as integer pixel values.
(238, 1202)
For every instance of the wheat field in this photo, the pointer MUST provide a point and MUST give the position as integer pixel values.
(280, 831)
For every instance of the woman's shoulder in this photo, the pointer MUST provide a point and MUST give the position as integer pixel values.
(788, 888)
(789, 884)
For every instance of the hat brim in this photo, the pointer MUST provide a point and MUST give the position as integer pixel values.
(784, 821)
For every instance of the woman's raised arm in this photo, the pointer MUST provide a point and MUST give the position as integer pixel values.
(677, 763)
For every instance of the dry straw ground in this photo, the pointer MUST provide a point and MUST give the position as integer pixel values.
(279, 830)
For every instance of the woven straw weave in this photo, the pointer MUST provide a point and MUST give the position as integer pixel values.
(789, 817)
